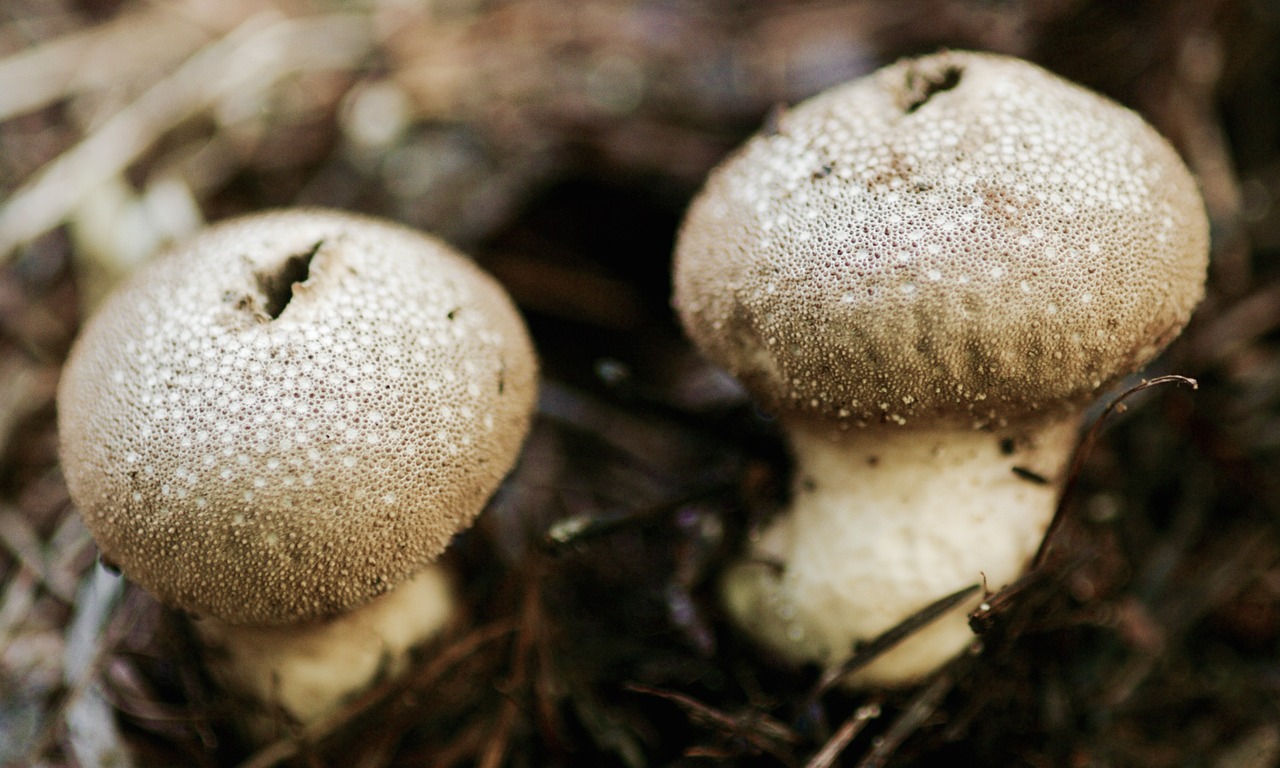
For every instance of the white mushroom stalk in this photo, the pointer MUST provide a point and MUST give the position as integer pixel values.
(884, 519)
(307, 670)
(928, 274)
(286, 418)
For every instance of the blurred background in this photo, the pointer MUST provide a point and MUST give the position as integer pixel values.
(558, 142)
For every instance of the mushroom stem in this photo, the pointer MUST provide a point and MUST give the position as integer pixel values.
(308, 671)
(884, 522)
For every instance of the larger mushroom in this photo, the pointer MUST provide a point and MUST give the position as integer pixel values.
(927, 274)
(284, 419)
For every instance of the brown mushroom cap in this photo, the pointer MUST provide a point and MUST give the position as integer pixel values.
(961, 238)
(291, 413)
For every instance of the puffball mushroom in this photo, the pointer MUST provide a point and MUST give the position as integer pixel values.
(286, 417)
(927, 274)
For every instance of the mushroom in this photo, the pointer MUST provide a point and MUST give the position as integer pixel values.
(928, 274)
(284, 418)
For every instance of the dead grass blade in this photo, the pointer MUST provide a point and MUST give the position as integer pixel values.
(249, 59)
(1086, 446)
(921, 707)
(851, 727)
(882, 643)
(96, 57)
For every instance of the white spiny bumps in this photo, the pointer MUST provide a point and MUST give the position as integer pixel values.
(291, 413)
(962, 237)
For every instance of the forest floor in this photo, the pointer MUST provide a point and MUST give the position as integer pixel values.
(559, 142)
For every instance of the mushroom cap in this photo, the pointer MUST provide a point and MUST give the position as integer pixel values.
(959, 238)
(292, 412)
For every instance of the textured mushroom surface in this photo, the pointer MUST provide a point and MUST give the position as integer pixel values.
(291, 413)
(961, 237)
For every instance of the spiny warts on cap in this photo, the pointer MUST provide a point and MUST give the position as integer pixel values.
(958, 238)
(291, 413)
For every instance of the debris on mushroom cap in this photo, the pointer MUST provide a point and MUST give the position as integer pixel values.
(292, 412)
(961, 238)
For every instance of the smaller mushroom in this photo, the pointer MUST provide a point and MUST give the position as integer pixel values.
(277, 423)
(929, 273)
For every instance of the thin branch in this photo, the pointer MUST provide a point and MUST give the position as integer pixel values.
(881, 644)
(851, 727)
(528, 633)
(757, 729)
(922, 706)
(1084, 449)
